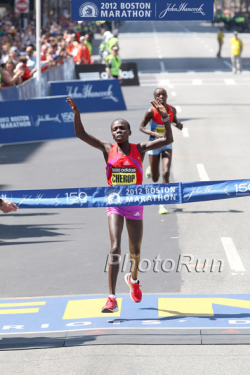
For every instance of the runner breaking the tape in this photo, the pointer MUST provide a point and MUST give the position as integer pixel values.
(124, 167)
(157, 132)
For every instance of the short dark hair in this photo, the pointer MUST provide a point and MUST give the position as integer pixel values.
(160, 88)
(121, 119)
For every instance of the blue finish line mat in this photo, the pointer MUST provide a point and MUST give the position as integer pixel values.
(159, 319)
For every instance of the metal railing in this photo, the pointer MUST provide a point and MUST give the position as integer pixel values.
(29, 89)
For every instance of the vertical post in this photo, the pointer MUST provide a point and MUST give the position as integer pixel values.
(38, 47)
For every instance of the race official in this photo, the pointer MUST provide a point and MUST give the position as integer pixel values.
(113, 64)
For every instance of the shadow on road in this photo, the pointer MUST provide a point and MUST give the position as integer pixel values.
(18, 153)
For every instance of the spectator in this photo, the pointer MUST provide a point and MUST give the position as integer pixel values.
(9, 73)
(24, 68)
(220, 40)
(7, 206)
(6, 80)
(31, 59)
(113, 41)
(5, 52)
(236, 48)
(87, 43)
(80, 53)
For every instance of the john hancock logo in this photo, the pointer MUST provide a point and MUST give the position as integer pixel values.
(88, 10)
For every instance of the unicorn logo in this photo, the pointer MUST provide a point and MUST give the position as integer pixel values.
(88, 10)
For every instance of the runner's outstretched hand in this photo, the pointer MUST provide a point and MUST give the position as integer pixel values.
(72, 105)
(160, 107)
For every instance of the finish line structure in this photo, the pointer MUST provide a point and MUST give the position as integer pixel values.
(129, 195)
(158, 319)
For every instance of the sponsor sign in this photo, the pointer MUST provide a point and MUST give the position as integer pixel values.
(129, 10)
(22, 6)
(128, 73)
(96, 96)
(35, 120)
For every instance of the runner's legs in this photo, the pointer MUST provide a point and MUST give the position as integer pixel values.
(166, 164)
(116, 222)
(135, 232)
(154, 161)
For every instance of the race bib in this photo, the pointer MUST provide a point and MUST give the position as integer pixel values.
(160, 129)
(123, 176)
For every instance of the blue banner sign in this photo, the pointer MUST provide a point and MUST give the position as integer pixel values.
(35, 120)
(129, 10)
(129, 195)
(96, 96)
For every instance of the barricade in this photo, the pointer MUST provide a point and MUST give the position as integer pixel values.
(29, 90)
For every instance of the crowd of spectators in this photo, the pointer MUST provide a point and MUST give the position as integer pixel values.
(60, 40)
(233, 19)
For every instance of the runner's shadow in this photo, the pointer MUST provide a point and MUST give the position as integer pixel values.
(181, 316)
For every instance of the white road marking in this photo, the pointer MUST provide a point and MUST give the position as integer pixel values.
(228, 64)
(162, 66)
(185, 133)
(163, 82)
(173, 93)
(229, 81)
(202, 172)
(232, 255)
(197, 82)
(178, 109)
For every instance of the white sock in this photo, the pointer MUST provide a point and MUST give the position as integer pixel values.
(133, 281)
(112, 296)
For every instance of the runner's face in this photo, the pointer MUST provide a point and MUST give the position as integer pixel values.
(120, 131)
(161, 95)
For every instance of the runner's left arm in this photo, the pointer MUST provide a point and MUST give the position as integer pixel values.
(175, 122)
(168, 135)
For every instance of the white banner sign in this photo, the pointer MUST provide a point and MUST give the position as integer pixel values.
(22, 6)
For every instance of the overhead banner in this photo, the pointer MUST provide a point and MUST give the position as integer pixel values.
(95, 96)
(129, 195)
(152, 10)
(128, 73)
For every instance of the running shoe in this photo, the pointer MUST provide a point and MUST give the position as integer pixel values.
(163, 210)
(148, 172)
(135, 291)
(111, 306)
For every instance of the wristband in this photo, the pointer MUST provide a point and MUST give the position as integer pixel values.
(165, 119)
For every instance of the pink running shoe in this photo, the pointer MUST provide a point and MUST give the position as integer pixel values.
(135, 291)
(111, 306)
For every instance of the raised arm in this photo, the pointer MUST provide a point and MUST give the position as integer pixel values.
(175, 122)
(82, 134)
(148, 116)
(168, 136)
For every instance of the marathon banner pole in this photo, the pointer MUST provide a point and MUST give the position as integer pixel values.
(129, 195)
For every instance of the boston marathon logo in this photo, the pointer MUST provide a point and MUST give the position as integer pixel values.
(123, 176)
(88, 10)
